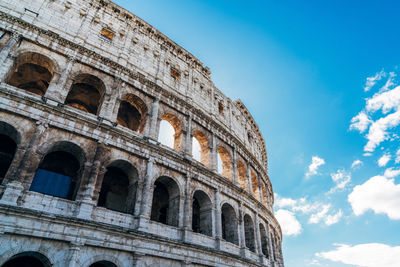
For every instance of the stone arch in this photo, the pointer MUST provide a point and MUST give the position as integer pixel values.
(28, 259)
(103, 264)
(264, 194)
(60, 171)
(242, 175)
(249, 232)
(226, 162)
(202, 213)
(166, 201)
(105, 258)
(119, 187)
(132, 113)
(32, 72)
(9, 141)
(254, 183)
(229, 224)
(264, 240)
(165, 135)
(86, 93)
(203, 149)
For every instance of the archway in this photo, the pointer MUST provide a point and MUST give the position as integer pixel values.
(9, 139)
(254, 183)
(225, 163)
(264, 240)
(118, 189)
(28, 259)
(103, 264)
(242, 175)
(59, 172)
(32, 72)
(132, 113)
(201, 213)
(170, 131)
(166, 199)
(249, 233)
(229, 224)
(86, 93)
(200, 148)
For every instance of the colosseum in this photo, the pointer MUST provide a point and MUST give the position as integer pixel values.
(116, 148)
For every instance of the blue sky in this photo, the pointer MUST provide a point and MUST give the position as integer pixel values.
(320, 78)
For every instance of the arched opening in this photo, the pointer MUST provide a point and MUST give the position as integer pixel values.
(254, 183)
(118, 190)
(242, 175)
(202, 213)
(59, 171)
(170, 133)
(264, 194)
(225, 163)
(221, 108)
(200, 148)
(249, 233)
(229, 224)
(32, 72)
(166, 198)
(86, 93)
(264, 240)
(28, 259)
(132, 113)
(9, 138)
(103, 264)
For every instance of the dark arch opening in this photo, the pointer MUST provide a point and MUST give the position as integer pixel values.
(86, 93)
(264, 240)
(32, 72)
(165, 205)
(103, 264)
(59, 171)
(7, 152)
(249, 233)
(202, 213)
(28, 259)
(229, 224)
(132, 113)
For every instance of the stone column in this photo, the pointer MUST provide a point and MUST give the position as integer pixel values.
(271, 253)
(187, 227)
(5, 62)
(57, 90)
(217, 221)
(147, 193)
(73, 257)
(258, 236)
(234, 166)
(137, 259)
(189, 136)
(109, 108)
(242, 232)
(154, 119)
(249, 180)
(213, 154)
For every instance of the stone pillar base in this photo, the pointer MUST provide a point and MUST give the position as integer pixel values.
(143, 223)
(12, 192)
(85, 210)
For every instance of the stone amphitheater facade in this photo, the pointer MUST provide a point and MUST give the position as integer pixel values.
(86, 180)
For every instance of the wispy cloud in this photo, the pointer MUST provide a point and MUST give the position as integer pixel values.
(391, 173)
(371, 81)
(290, 225)
(360, 122)
(316, 162)
(356, 164)
(365, 255)
(384, 160)
(341, 178)
(323, 216)
(397, 160)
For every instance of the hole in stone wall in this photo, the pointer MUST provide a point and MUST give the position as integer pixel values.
(170, 132)
(225, 162)
(107, 35)
(28, 259)
(249, 233)
(114, 190)
(8, 145)
(229, 224)
(132, 113)
(264, 242)
(202, 213)
(32, 72)
(221, 107)
(242, 175)
(200, 148)
(86, 93)
(254, 182)
(103, 264)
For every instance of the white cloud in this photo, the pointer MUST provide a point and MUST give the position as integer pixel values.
(386, 101)
(357, 163)
(390, 173)
(290, 225)
(313, 167)
(364, 255)
(378, 130)
(379, 194)
(360, 122)
(371, 81)
(397, 160)
(383, 161)
(341, 178)
(323, 216)
(332, 219)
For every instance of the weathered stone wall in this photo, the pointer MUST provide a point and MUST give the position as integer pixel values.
(99, 58)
